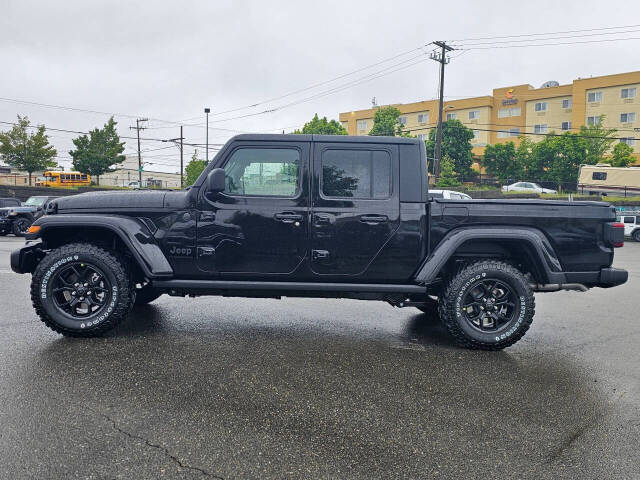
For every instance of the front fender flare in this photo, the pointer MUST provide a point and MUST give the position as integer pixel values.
(533, 238)
(133, 233)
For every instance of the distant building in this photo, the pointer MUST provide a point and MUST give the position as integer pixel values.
(127, 172)
(525, 110)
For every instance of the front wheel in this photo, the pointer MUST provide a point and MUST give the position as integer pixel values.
(636, 235)
(488, 305)
(20, 226)
(81, 290)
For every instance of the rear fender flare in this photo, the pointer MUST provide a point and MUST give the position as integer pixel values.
(133, 233)
(534, 239)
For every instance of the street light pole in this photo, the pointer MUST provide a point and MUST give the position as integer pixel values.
(206, 156)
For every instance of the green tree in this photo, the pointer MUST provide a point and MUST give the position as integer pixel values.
(193, 169)
(555, 158)
(385, 123)
(322, 126)
(501, 161)
(456, 143)
(448, 175)
(598, 140)
(622, 155)
(24, 151)
(99, 151)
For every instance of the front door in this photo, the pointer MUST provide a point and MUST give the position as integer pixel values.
(355, 208)
(258, 225)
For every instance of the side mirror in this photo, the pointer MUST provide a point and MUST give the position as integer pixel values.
(216, 181)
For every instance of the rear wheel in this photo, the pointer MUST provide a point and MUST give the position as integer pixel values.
(81, 290)
(488, 305)
(20, 226)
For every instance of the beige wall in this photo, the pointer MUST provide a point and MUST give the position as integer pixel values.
(552, 117)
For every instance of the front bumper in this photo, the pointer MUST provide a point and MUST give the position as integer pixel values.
(5, 223)
(25, 259)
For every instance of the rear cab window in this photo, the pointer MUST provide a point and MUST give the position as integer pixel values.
(355, 173)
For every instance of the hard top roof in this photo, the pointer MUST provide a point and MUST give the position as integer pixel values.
(274, 137)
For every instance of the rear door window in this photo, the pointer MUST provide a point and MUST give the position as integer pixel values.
(351, 173)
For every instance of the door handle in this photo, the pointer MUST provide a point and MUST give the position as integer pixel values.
(288, 217)
(371, 219)
(322, 218)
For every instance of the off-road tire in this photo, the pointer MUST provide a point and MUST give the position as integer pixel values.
(3, 233)
(146, 294)
(636, 235)
(113, 267)
(17, 226)
(464, 334)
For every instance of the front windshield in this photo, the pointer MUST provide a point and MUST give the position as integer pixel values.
(34, 201)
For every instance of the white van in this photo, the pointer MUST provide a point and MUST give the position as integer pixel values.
(631, 226)
(604, 179)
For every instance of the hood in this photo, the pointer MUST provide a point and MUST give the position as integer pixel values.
(111, 200)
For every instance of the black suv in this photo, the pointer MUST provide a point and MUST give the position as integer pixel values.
(317, 216)
(17, 218)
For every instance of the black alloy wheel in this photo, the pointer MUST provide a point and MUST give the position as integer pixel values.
(80, 289)
(20, 226)
(489, 305)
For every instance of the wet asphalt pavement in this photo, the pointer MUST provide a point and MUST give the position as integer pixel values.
(331, 389)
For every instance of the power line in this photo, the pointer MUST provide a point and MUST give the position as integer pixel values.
(543, 34)
(552, 44)
(543, 39)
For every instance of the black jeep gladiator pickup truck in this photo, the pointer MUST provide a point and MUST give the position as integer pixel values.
(317, 216)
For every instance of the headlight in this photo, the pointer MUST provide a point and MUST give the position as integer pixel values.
(11, 213)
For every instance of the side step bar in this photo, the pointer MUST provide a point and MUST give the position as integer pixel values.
(286, 286)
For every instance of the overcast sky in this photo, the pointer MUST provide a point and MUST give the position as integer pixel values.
(167, 60)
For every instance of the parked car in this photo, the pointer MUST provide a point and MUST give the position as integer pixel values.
(17, 219)
(631, 226)
(527, 187)
(448, 195)
(317, 216)
(5, 203)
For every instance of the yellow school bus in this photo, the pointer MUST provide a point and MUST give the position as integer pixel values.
(63, 179)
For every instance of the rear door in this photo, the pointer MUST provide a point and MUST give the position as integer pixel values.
(355, 206)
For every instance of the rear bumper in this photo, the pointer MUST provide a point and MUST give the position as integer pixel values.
(612, 277)
(25, 259)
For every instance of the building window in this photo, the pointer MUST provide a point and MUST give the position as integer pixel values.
(452, 116)
(628, 92)
(628, 117)
(356, 174)
(362, 125)
(595, 120)
(402, 120)
(541, 106)
(503, 133)
(474, 115)
(514, 132)
(567, 103)
(629, 141)
(422, 136)
(509, 112)
(594, 97)
(540, 128)
(566, 125)
(423, 118)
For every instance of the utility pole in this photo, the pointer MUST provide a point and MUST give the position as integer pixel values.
(137, 128)
(181, 159)
(440, 57)
(206, 156)
(181, 147)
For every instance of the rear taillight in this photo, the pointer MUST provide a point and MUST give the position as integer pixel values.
(614, 234)
(619, 239)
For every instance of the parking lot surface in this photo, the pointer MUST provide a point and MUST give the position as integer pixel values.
(307, 388)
